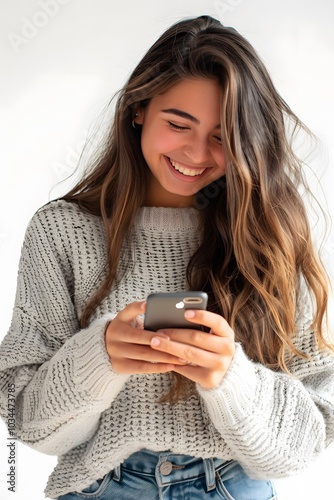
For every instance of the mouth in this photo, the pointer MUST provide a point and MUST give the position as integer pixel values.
(185, 170)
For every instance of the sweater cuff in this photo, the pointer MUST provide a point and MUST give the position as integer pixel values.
(232, 400)
(90, 367)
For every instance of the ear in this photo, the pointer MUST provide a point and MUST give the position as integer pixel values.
(138, 116)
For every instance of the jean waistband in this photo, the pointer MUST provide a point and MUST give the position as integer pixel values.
(169, 468)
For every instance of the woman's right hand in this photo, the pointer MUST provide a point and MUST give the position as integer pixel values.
(128, 344)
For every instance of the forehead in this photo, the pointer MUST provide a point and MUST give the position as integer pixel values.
(201, 93)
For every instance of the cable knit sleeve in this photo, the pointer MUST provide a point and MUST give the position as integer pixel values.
(62, 375)
(274, 423)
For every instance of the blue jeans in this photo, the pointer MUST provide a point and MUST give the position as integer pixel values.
(146, 475)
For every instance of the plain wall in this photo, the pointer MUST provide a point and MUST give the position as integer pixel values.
(61, 62)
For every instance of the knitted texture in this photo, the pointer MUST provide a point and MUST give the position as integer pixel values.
(70, 402)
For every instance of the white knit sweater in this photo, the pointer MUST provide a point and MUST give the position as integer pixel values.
(69, 401)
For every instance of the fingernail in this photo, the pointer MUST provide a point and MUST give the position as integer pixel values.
(189, 313)
(155, 342)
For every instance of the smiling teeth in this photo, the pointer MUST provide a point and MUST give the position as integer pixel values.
(186, 170)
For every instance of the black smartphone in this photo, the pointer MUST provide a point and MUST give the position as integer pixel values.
(166, 310)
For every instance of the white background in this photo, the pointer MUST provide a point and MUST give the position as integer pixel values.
(63, 59)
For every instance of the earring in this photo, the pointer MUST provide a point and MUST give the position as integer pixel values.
(133, 121)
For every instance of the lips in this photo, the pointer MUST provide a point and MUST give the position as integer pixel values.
(186, 170)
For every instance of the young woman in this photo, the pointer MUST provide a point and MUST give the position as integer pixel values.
(197, 189)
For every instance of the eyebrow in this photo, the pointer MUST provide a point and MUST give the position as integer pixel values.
(184, 114)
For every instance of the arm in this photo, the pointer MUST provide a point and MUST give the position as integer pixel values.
(276, 424)
(62, 375)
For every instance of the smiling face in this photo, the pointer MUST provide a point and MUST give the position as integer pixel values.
(181, 141)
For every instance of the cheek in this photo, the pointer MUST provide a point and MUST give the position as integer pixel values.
(158, 141)
(220, 161)
(164, 143)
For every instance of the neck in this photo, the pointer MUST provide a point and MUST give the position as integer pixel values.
(161, 198)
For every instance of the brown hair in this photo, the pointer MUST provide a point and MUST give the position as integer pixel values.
(254, 217)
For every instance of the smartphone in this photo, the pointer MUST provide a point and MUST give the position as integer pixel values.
(166, 310)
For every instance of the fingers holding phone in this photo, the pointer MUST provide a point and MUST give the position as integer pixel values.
(128, 344)
(207, 355)
(180, 344)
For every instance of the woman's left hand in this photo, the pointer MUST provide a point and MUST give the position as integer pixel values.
(207, 356)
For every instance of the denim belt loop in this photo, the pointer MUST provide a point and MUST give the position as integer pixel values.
(117, 474)
(210, 473)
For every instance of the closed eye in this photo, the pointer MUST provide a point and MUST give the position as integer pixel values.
(177, 127)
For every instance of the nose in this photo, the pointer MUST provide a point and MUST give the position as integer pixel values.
(197, 151)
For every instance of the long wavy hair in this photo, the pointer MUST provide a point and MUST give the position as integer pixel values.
(253, 217)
